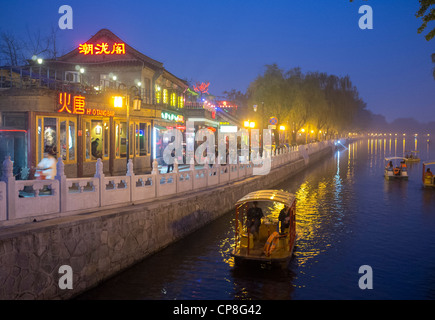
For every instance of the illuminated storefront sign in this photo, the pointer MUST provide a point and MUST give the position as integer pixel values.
(225, 104)
(77, 105)
(101, 48)
(228, 129)
(172, 117)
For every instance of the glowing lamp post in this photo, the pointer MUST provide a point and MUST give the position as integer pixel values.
(118, 102)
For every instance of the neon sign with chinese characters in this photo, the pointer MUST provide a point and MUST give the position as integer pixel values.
(77, 105)
(101, 48)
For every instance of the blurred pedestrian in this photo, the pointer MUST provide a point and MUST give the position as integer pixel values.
(46, 169)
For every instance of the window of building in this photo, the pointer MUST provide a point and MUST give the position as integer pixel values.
(158, 94)
(131, 137)
(59, 133)
(13, 137)
(165, 96)
(141, 139)
(173, 99)
(120, 139)
(97, 139)
(180, 102)
(147, 89)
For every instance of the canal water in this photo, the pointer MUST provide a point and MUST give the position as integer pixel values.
(348, 216)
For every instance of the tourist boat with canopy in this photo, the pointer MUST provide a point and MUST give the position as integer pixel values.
(412, 156)
(396, 168)
(428, 177)
(271, 239)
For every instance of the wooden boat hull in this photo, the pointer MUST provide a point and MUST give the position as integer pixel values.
(394, 177)
(280, 258)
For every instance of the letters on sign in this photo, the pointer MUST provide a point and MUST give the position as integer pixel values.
(77, 105)
(101, 48)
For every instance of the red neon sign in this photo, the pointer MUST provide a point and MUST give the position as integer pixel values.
(201, 87)
(79, 106)
(101, 48)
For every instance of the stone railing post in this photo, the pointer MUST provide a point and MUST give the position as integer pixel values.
(100, 175)
(63, 188)
(217, 166)
(131, 180)
(192, 165)
(8, 177)
(155, 167)
(175, 170)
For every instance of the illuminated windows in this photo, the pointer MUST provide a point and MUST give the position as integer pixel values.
(59, 133)
(158, 95)
(173, 99)
(97, 139)
(141, 140)
(120, 139)
(165, 96)
(180, 102)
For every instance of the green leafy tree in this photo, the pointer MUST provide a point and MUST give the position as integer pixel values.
(313, 101)
(427, 13)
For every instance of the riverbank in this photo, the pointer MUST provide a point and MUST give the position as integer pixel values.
(98, 244)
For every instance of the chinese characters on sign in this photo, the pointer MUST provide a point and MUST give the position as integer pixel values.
(101, 48)
(76, 105)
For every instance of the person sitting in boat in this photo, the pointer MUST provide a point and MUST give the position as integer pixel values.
(390, 166)
(284, 218)
(429, 173)
(403, 165)
(254, 216)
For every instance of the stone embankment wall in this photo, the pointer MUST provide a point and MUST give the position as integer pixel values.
(99, 244)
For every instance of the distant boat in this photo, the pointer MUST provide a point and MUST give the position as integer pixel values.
(428, 177)
(395, 169)
(412, 156)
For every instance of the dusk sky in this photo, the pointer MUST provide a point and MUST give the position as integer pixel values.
(228, 42)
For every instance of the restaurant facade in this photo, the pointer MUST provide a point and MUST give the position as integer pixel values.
(103, 100)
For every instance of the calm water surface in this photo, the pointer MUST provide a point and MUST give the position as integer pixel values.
(347, 216)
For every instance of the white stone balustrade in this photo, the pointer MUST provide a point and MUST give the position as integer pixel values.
(24, 200)
(3, 200)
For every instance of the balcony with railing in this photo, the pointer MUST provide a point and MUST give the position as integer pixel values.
(32, 77)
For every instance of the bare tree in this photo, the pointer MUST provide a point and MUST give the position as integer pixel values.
(35, 44)
(53, 50)
(14, 51)
(11, 49)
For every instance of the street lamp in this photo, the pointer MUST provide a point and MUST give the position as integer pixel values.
(249, 124)
(137, 101)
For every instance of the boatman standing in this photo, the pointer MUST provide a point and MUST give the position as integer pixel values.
(254, 218)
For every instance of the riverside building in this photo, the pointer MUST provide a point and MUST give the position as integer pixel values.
(104, 99)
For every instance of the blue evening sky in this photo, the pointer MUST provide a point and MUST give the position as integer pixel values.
(228, 42)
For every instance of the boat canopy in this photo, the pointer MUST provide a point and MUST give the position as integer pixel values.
(427, 163)
(268, 195)
(394, 158)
